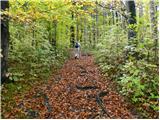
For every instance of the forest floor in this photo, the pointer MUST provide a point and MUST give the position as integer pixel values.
(78, 90)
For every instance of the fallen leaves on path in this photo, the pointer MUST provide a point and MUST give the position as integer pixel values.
(78, 91)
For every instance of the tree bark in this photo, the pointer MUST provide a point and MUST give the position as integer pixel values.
(77, 30)
(109, 18)
(4, 43)
(113, 18)
(81, 35)
(72, 38)
(141, 10)
(131, 21)
(117, 18)
(141, 36)
(85, 31)
(154, 29)
(104, 20)
(33, 37)
(94, 32)
(97, 18)
(90, 34)
(55, 34)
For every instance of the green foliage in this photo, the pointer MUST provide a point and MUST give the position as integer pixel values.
(33, 62)
(136, 73)
(109, 51)
(139, 80)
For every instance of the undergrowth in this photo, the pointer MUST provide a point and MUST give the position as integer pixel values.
(29, 66)
(136, 77)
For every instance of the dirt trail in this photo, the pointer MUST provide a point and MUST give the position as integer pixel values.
(77, 91)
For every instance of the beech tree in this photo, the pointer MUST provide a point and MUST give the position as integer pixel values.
(131, 20)
(4, 42)
(154, 29)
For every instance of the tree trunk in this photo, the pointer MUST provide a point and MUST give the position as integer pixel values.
(154, 28)
(33, 37)
(132, 42)
(116, 18)
(81, 35)
(103, 16)
(77, 30)
(104, 20)
(131, 21)
(113, 18)
(4, 43)
(140, 21)
(109, 18)
(141, 10)
(55, 34)
(90, 35)
(72, 38)
(50, 32)
(97, 17)
(85, 31)
(94, 34)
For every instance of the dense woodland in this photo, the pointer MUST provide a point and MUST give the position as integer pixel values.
(38, 36)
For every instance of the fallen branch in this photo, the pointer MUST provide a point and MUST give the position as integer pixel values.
(100, 102)
(86, 87)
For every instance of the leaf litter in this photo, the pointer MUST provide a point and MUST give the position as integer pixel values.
(78, 91)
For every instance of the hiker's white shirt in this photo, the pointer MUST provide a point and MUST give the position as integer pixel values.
(77, 51)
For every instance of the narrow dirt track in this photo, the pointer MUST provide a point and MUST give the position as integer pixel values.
(77, 91)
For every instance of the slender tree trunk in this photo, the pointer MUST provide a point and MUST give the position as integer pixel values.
(66, 30)
(77, 30)
(97, 30)
(81, 31)
(121, 19)
(4, 42)
(109, 18)
(50, 32)
(104, 20)
(55, 34)
(54, 42)
(116, 18)
(72, 38)
(103, 16)
(113, 18)
(141, 10)
(140, 21)
(81, 36)
(154, 29)
(33, 37)
(94, 34)
(90, 34)
(85, 31)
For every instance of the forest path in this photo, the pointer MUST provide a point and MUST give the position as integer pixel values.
(77, 91)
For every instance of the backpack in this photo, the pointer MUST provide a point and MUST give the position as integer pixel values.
(77, 45)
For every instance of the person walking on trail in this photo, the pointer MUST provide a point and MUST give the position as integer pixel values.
(77, 50)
